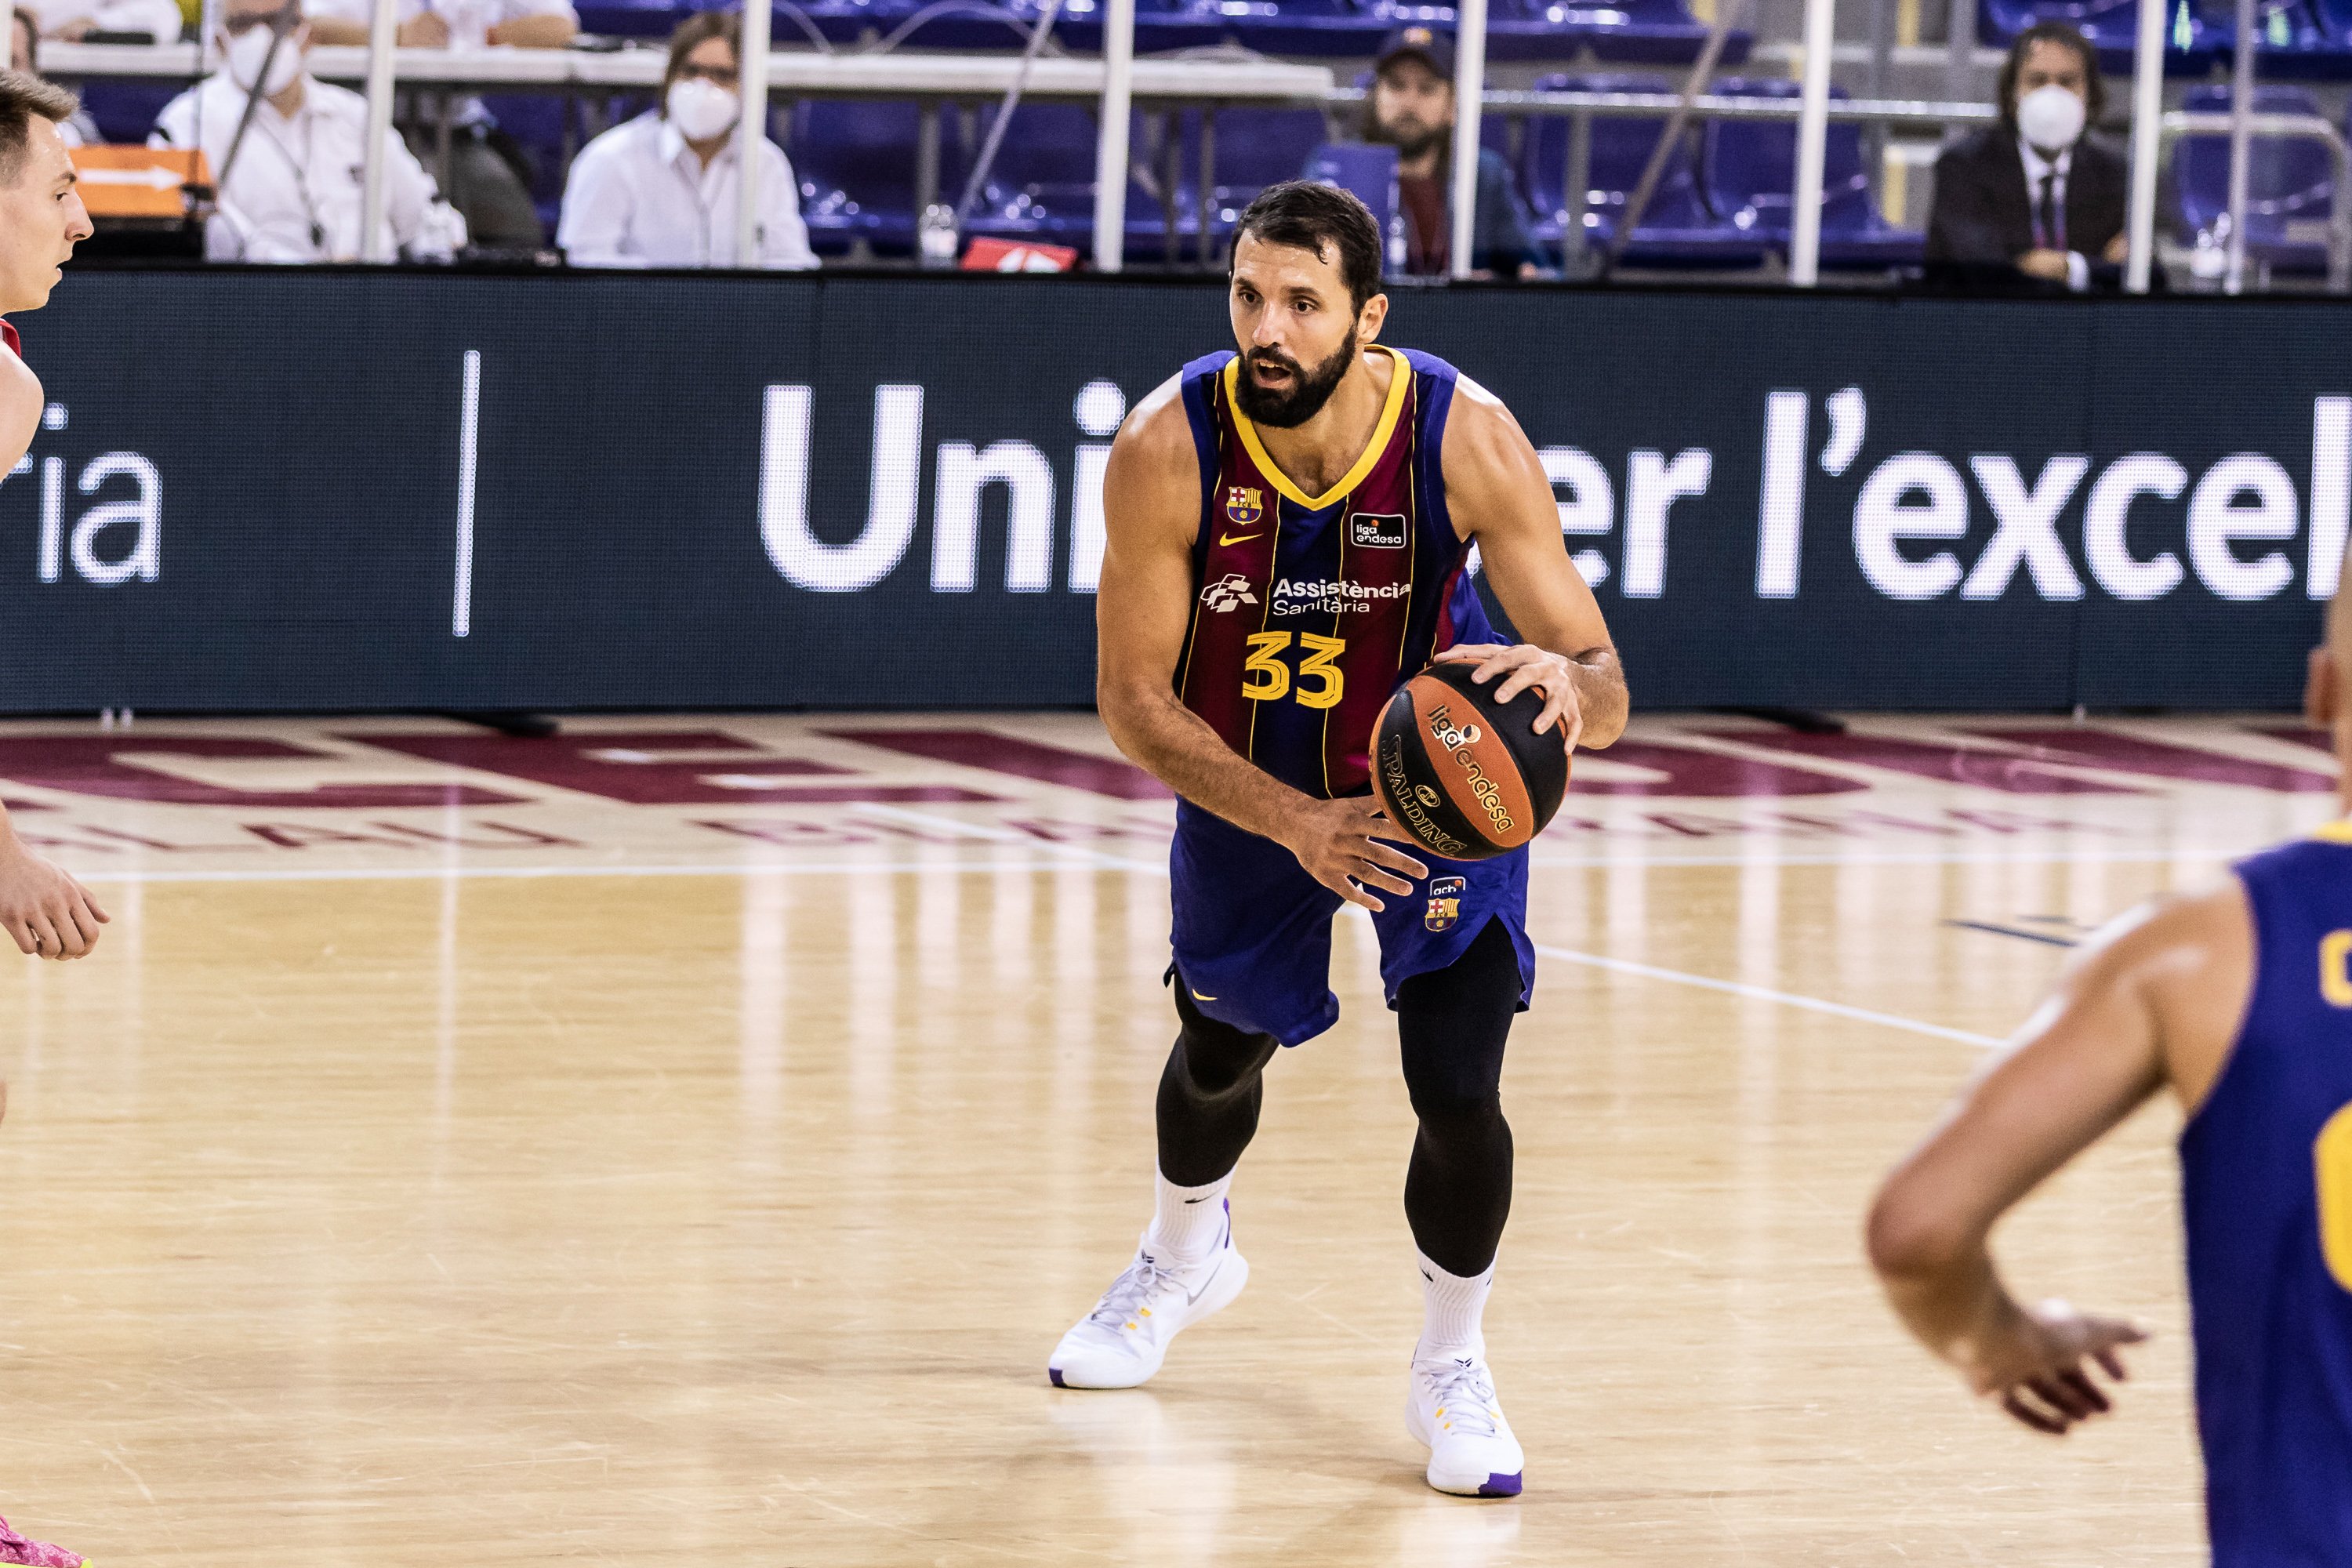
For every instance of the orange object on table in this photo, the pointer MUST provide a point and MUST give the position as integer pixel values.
(139, 181)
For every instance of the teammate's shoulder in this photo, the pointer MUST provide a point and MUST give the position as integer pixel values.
(2176, 937)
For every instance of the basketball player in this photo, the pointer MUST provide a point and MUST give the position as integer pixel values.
(1288, 530)
(41, 220)
(2238, 999)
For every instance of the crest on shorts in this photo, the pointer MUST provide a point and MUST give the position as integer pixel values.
(1243, 505)
(1444, 903)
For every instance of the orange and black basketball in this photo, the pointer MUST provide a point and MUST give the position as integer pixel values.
(1468, 777)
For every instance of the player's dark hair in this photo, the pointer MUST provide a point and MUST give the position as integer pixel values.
(23, 96)
(2094, 92)
(694, 32)
(1309, 217)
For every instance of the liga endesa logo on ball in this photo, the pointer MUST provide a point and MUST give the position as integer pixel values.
(1456, 744)
(1467, 777)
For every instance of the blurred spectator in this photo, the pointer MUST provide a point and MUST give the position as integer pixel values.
(289, 182)
(660, 190)
(24, 55)
(1411, 108)
(489, 173)
(73, 19)
(2034, 198)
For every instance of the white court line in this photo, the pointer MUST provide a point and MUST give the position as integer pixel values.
(1922, 857)
(461, 597)
(1765, 994)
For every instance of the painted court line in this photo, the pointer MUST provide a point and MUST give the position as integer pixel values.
(1765, 994)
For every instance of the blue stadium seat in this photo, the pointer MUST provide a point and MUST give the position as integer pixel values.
(1324, 27)
(856, 164)
(1042, 186)
(1676, 226)
(126, 111)
(1254, 148)
(2111, 26)
(1630, 32)
(633, 18)
(1751, 169)
(2291, 194)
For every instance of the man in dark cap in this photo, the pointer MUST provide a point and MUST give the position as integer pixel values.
(1412, 109)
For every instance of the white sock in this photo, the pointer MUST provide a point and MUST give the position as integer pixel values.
(1453, 1308)
(1187, 1222)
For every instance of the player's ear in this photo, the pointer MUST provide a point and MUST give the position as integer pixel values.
(1371, 318)
(2323, 694)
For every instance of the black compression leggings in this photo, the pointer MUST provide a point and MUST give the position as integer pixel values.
(1451, 1023)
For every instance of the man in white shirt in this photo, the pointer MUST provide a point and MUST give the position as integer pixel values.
(290, 187)
(487, 170)
(661, 190)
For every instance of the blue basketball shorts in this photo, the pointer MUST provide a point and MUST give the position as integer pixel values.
(1253, 930)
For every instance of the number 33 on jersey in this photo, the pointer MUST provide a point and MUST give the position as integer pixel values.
(1309, 611)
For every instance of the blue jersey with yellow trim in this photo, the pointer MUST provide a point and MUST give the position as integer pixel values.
(1308, 612)
(2266, 1180)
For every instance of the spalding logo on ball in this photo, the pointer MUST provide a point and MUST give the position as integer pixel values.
(1468, 777)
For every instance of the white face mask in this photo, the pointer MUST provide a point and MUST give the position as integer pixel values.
(2051, 116)
(702, 110)
(247, 49)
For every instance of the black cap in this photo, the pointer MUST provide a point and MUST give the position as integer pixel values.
(1421, 42)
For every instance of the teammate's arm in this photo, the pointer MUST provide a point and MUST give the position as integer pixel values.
(1152, 506)
(2154, 998)
(1496, 485)
(44, 911)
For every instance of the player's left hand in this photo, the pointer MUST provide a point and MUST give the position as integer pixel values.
(1526, 665)
(2035, 1364)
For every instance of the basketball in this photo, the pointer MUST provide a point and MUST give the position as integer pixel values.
(1468, 776)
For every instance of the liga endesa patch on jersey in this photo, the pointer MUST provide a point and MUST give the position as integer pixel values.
(1375, 531)
(1444, 903)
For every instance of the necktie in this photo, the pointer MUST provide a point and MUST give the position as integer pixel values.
(2049, 231)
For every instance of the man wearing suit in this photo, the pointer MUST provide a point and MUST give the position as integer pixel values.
(2033, 202)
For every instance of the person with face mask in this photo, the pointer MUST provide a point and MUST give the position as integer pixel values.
(660, 190)
(289, 176)
(2034, 202)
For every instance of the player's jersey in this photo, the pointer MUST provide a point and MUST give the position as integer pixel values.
(2266, 1174)
(1308, 612)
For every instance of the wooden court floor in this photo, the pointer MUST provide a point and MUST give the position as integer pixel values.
(683, 1140)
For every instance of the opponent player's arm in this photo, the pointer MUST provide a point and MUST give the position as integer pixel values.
(1495, 484)
(1152, 506)
(41, 908)
(2154, 997)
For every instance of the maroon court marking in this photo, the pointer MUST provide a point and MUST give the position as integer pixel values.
(97, 765)
(596, 762)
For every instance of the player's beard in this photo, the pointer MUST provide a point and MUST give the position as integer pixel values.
(1309, 390)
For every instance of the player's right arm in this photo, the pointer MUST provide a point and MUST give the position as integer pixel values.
(44, 911)
(1143, 608)
(2154, 998)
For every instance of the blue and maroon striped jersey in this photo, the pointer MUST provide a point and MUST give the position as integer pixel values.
(1308, 612)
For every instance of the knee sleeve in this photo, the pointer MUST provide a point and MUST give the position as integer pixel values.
(1217, 1059)
(1452, 1025)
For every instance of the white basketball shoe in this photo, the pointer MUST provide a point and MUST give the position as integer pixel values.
(1451, 1408)
(1123, 1340)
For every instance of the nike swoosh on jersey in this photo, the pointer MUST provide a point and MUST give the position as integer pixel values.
(1235, 537)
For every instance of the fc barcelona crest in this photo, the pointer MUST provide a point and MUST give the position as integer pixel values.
(1444, 903)
(1243, 505)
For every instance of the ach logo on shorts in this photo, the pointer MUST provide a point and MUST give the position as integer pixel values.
(1243, 505)
(1375, 531)
(1444, 903)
